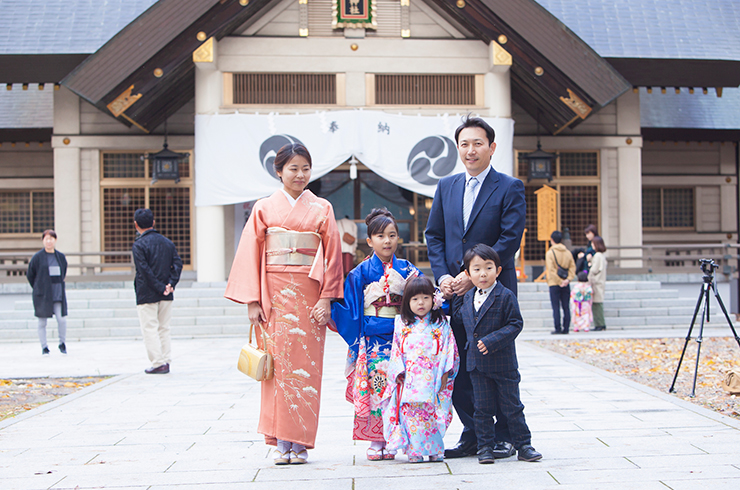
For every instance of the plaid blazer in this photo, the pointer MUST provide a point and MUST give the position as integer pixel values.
(497, 323)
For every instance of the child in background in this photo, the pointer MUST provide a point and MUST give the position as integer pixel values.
(364, 319)
(580, 303)
(417, 406)
(492, 320)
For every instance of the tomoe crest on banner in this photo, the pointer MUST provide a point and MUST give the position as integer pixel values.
(431, 159)
(269, 149)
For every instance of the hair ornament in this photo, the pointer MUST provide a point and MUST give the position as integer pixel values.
(438, 300)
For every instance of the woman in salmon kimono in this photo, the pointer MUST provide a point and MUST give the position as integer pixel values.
(287, 270)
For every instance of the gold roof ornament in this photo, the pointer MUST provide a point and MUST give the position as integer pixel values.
(501, 57)
(123, 102)
(576, 104)
(204, 53)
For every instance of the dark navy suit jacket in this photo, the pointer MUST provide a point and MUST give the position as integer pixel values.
(497, 323)
(497, 219)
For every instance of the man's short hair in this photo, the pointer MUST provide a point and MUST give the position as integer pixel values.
(144, 218)
(483, 251)
(556, 236)
(475, 122)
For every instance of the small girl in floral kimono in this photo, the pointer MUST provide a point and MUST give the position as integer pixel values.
(418, 408)
(580, 303)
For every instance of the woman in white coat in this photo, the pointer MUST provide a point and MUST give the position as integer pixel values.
(597, 278)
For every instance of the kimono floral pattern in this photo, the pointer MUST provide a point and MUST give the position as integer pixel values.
(417, 412)
(581, 306)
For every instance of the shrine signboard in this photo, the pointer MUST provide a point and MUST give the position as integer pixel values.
(354, 13)
(547, 212)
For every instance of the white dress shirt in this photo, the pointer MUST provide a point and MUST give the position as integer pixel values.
(481, 295)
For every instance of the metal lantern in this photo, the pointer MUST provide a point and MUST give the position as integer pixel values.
(166, 164)
(540, 164)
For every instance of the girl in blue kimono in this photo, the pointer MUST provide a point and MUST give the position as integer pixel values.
(365, 319)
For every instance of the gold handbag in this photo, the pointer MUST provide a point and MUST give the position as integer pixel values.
(253, 361)
(731, 382)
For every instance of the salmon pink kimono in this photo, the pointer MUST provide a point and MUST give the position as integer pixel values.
(286, 292)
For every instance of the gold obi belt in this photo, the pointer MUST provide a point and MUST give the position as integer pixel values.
(381, 308)
(286, 247)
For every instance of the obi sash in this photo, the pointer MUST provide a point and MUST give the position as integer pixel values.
(287, 247)
(382, 309)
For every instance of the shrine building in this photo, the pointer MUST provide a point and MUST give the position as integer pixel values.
(638, 105)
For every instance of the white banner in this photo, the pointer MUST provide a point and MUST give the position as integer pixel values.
(234, 152)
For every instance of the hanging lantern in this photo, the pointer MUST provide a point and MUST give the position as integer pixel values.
(540, 164)
(166, 163)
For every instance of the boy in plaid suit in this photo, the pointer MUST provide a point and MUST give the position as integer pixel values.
(492, 320)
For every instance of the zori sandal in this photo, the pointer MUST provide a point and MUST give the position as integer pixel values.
(299, 458)
(374, 454)
(281, 458)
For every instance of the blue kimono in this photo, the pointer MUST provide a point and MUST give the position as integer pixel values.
(365, 320)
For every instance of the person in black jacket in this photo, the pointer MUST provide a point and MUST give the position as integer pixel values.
(46, 273)
(158, 270)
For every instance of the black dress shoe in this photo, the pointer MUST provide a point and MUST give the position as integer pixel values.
(462, 450)
(163, 369)
(485, 455)
(599, 329)
(62, 348)
(528, 453)
(555, 332)
(503, 450)
(45, 351)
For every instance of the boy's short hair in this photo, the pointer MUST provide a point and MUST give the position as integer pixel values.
(556, 236)
(484, 252)
(144, 218)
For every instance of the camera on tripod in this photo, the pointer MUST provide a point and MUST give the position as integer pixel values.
(708, 266)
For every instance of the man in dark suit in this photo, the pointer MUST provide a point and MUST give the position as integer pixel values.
(492, 320)
(478, 206)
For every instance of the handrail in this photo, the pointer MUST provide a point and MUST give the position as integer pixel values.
(13, 264)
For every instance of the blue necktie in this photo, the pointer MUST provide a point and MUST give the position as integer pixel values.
(469, 200)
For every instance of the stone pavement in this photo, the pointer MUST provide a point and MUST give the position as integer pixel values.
(196, 428)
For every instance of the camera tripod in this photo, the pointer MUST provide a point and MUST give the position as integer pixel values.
(707, 266)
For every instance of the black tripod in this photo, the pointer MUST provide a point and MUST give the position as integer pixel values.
(708, 266)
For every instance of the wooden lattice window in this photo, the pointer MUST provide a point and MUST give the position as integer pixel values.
(578, 164)
(576, 178)
(665, 208)
(568, 164)
(285, 88)
(579, 207)
(25, 212)
(126, 186)
(171, 208)
(455, 90)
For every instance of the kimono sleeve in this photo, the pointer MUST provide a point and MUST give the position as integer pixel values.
(347, 314)
(396, 363)
(332, 244)
(246, 276)
(449, 357)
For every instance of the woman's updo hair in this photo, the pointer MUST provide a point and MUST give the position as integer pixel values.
(287, 153)
(378, 220)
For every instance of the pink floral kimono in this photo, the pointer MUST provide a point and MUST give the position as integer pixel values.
(417, 414)
(287, 273)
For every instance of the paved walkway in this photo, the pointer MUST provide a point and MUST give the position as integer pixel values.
(195, 428)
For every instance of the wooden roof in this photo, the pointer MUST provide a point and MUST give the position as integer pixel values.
(163, 37)
(571, 70)
(574, 83)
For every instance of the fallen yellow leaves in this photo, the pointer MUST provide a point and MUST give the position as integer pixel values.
(19, 395)
(653, 362)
